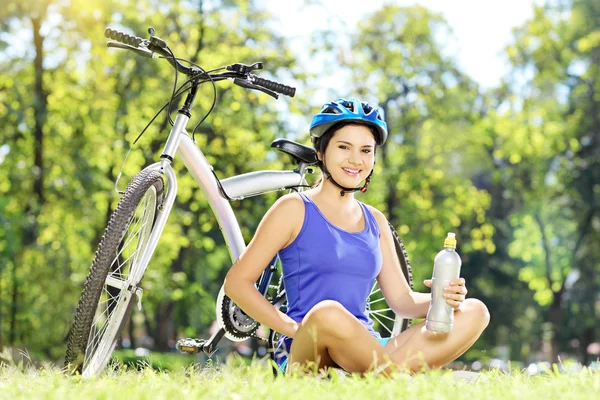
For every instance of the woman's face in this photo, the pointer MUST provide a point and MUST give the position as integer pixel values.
(350, 155)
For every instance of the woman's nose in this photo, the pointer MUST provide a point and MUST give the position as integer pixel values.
(355, 158)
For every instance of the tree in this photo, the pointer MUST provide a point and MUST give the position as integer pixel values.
(98, 100)
(555, 160)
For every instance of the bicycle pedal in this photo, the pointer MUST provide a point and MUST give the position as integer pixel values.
(190, 345)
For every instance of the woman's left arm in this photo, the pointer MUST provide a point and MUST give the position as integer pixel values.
(396, 290)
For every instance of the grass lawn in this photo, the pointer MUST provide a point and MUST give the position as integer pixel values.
(237, 380)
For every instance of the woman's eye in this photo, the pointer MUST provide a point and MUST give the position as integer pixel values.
(343, 147)
(367, 151)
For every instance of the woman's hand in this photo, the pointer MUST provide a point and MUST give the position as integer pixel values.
(454, 293)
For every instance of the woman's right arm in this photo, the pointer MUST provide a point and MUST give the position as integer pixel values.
(275, 230)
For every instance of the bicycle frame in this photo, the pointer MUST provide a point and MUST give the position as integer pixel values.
(218, 193)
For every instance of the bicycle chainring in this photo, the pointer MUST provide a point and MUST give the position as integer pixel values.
(237, 324)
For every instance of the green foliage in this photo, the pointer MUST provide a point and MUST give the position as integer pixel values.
(98, 100)
(514, 171)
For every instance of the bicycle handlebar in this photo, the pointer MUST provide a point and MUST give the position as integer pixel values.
(274, 86)
(243, 77)
(123, 37)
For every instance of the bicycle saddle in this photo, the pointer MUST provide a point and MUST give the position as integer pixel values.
(299, 152)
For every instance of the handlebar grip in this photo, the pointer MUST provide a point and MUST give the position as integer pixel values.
(122, 37)
(275, 86)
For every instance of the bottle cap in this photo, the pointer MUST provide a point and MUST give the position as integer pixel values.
(450, 240)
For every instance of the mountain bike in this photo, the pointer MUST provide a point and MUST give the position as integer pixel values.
(113, 285)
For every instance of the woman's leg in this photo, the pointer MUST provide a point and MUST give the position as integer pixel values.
(417, 347)
(330, 336)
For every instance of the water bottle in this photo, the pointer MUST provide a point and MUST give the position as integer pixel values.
(446, 267)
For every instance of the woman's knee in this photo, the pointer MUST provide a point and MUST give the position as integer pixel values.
(477, 312)
(329, 316)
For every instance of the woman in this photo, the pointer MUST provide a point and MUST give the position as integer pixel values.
(332, 247)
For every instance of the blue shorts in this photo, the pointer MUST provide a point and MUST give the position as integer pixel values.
(285, 344)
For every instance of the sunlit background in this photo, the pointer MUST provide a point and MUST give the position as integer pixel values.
(492, 109)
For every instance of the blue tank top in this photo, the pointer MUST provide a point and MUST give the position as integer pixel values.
(325, 262)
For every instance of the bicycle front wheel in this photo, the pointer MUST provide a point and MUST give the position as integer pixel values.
(107, 298)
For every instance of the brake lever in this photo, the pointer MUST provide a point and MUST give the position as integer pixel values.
(245, 69)
(246, 84)
(140, 50)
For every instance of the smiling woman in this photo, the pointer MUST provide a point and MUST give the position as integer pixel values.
(350, 153)
(348, 117)
(331, 248)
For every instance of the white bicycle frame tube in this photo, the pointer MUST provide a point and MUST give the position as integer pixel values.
(163, 212)
(234, 188)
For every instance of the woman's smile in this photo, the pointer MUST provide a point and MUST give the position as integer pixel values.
(351, 171)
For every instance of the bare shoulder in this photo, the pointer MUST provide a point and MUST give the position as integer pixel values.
(290, 203)
(288, 215)
(379, 217)
(288, 210)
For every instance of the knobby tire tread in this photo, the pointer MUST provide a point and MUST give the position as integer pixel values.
(109, 244)
(404, 265)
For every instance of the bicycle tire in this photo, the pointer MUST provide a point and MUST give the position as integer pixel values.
(146, 182)
(404, 324)
(406, 271)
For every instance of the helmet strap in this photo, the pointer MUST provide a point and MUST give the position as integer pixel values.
(345, 189)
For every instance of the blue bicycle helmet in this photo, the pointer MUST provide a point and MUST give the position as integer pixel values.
(348, 110)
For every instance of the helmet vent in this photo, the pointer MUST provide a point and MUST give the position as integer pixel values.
(348, 104)
(331, 110)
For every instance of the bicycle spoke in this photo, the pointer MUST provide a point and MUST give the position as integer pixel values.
(106, 311)
(382, 324)
(111, 297)
(376, 291)
(100, 332)
(382, 315)
(125, 246)
(127, 259)
(376, 301)
(132, 228)
(136, 234)
(98, 316)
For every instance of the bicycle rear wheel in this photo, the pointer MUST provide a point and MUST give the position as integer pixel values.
(107, 297)
(386, 322)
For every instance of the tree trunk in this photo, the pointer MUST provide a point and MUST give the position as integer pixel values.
(36, 199)
(164, 326)
(131, 332)
(556, 318)
(41, 110)
(201, 30)
(585, 340)
(12, 335)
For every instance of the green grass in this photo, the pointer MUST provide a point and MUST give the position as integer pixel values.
(236, 380)
(157, 361)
